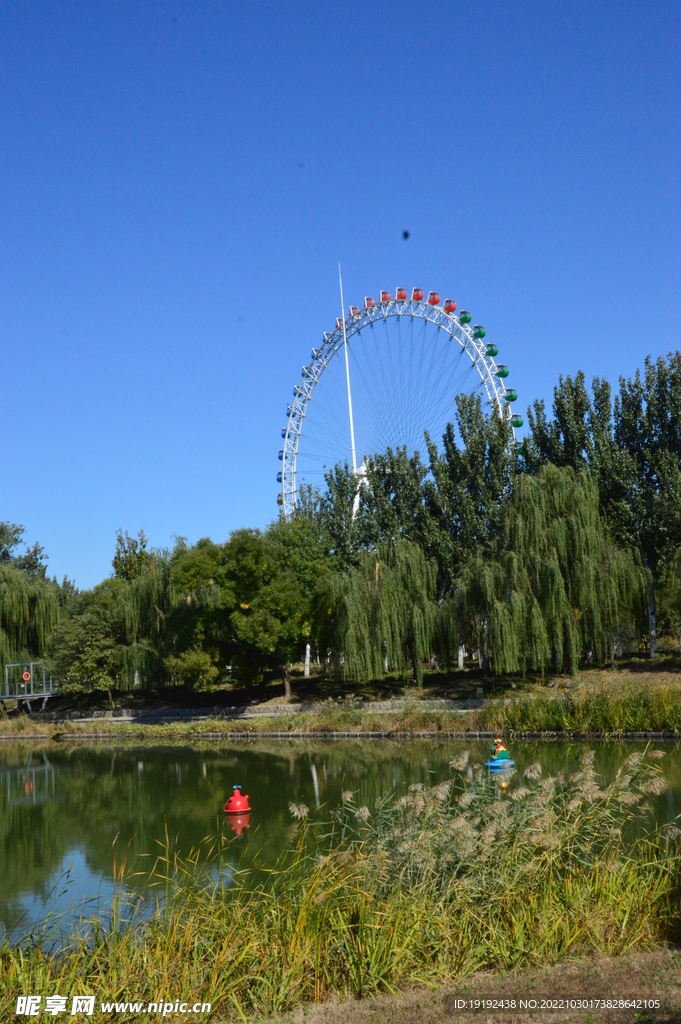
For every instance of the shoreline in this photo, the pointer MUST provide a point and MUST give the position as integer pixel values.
(623, 705)
(146, 733)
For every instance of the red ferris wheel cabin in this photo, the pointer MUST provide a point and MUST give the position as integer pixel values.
(416, 294)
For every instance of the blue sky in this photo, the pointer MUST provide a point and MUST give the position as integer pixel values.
(179, 180)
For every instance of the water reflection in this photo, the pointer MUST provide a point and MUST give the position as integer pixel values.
(32, 784)
(65, 812)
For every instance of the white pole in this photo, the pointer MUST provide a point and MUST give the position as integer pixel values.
(347, 374)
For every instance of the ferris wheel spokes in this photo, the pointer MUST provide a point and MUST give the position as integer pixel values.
(405, 384)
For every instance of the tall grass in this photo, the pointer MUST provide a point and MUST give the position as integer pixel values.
(607, 709)
(422, 889)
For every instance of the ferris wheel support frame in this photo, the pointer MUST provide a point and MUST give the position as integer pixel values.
(475, 349)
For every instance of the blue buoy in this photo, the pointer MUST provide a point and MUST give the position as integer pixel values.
(499, 765)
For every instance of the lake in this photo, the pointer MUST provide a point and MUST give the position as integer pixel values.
(67, 811)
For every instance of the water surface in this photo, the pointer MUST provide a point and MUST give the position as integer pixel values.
(67, 814)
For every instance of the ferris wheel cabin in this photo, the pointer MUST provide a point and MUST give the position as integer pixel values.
(368, 302)
(449, 306)
(385, 297)
(400, 295)
(417, 294)
(433, 298)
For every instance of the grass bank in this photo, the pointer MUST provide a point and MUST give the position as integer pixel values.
(656, 971)
(611, 702)
(422, 890)
(599, 708)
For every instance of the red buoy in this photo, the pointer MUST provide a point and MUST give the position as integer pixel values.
(237, 804)
(449, 306)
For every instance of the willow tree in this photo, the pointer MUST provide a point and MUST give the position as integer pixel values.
(381, 615)
(669, 599)
(29, 612)
(554, 589)
(113, 638)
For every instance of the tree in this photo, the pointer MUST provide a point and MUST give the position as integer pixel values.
(29, 612)
(392, 502)
(335, 513)
(633, 446)
(380, 615)
(131, 558)
(199, 639)
(554, 588)
(84, 652)
(470, 488)
(277, 577)
(32, 561)
(566, 440)
(112, 637)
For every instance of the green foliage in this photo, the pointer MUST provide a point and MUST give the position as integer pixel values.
(393, 504)
(278, 577)
(554, 589)
(334, 510)
(472, 484)
(195, 627)
(84, 653)
(29, 612)
(195, 667)
(131, 558)
(381, 615)
(112, 634)
(32, 561)
(669, 597)
(633, 448)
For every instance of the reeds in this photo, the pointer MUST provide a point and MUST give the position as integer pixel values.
(421, 889)
(651, 708)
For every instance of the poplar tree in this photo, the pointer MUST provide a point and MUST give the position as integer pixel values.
(632, 444)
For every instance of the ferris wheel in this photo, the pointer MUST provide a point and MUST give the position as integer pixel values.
(384, 376)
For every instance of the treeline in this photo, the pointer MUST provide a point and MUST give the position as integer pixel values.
(540, 557)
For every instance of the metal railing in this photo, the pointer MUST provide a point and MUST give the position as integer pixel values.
(28, 681)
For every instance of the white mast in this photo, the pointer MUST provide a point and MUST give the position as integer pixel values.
(347, 374)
